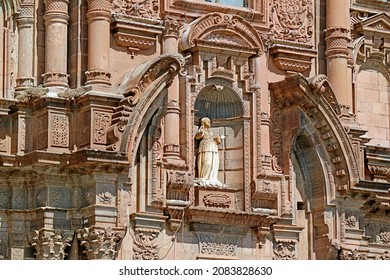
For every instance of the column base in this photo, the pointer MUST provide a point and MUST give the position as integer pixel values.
(55, 79)
(98, 77)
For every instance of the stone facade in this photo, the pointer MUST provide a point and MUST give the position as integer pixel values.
(100, 101)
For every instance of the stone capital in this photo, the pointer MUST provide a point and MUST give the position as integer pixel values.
(99, 9)
(100, 243)
(50, 244)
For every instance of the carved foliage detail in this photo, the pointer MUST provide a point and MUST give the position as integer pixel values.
(284, 251)
(99, 243)
(146, 246)
(139, 8)
(219, 245)
(50, 244)
(352, 255)
(292, 20)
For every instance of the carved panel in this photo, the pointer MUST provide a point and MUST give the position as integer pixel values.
(146, 245)
(41, 133)
(101, 123)
(218, 244)
(85, 129)
(352, 255)
(59, 130)
(292, 20)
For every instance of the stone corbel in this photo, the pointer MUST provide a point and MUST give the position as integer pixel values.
(100, 243)
(50, 244)
(292, 59)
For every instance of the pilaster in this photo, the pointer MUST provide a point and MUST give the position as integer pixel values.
(56, 40)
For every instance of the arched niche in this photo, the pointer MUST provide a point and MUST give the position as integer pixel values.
(223, 105)
(373, 99)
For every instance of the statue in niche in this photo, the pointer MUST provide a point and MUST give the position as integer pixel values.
(208, 157)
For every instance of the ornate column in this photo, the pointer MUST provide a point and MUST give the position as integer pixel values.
(100, 243)
(25, 24)
(50, 244)
(56, 42)
(99, 16)
(172, 117)
(337, 53)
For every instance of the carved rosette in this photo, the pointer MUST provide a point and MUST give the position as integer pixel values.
(51, 244)
(146, 245)
(337, 42)
(100, 243)
(292, 20)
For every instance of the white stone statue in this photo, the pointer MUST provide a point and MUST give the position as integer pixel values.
(208, 157)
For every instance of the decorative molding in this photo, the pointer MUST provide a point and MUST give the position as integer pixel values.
(50, 244)
(210, 32)
(100, 243)
(218, 244)
(292, 59)
(52, 79)
(217, 200)
(134, 33)
(337, 42)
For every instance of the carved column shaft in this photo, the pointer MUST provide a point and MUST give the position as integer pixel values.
(25, 23)
(99, 16)
(56, 42)
(337, 53)
(172, 117)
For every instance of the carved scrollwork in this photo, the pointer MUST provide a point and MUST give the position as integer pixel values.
(146, 245)
(292, 20)
(284, 251)
(138, 8)
(351, 255)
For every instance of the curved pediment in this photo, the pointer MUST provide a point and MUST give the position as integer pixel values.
(218, 32)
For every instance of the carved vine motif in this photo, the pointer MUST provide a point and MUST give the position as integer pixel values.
(50, 244)
(351, 255)
(99, 243)
(284, 251)
(139, 8)
(219, 245)
(146, 246)
(384, 256)
(292, 20)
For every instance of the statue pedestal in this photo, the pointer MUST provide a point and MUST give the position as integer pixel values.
(216, 197)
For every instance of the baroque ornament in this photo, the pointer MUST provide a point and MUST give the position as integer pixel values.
(139, 8)
(99, 243)
(284, 251)
(292, 20)
(219, 245)
(50, 244)
(146, 246)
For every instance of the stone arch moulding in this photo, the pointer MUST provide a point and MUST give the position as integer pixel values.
(315, 98)
(12, 7)
(140, 86)
(219, 31)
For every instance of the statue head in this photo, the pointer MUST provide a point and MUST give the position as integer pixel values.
(205, 122)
